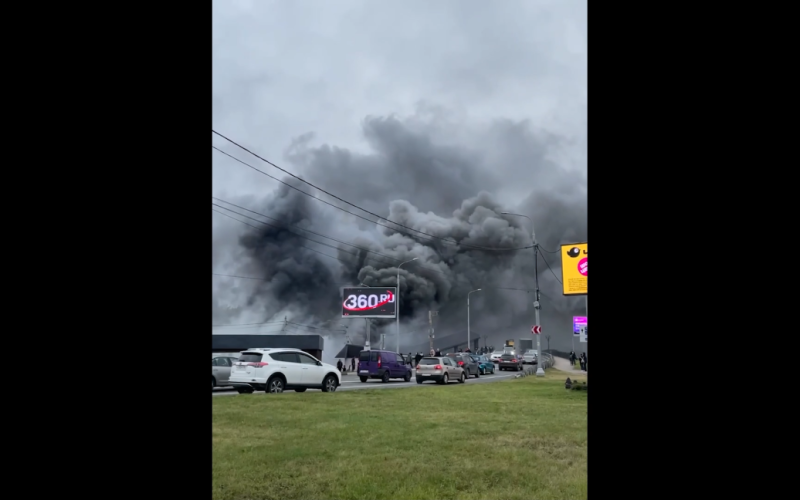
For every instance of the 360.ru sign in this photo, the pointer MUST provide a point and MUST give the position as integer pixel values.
(375, 302)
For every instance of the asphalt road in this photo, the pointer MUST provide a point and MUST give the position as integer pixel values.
(350, 383)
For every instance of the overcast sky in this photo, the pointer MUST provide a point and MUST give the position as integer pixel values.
(284, 68)
(471, 95)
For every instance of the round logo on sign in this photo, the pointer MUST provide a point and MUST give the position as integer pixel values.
(583, 266)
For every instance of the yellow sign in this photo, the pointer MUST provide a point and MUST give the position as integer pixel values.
(575, 268)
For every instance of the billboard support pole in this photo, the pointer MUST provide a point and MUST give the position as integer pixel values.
(366, 344)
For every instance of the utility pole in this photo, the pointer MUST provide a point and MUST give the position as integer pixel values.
(548, 342)
(383, 340)
(431, 314)
(285, 324)
(539, 370)
(366, 344)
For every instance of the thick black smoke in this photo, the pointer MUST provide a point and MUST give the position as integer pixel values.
(438, 178)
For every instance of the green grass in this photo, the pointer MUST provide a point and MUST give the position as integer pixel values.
(516, 439)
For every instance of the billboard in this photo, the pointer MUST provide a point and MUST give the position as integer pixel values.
(577, 323)
(584, 334)
(369, 302)
(575, 268)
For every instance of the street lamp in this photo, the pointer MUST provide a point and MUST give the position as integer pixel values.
(539, 370)
(397, 300)
(468, 337)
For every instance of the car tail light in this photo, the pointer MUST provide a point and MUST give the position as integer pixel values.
(417, 367)
(460, 363)
(258, 365)
(379, 361)
(513, 360)
(437, 367)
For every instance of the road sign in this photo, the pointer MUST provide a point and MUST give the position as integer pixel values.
(536, 329)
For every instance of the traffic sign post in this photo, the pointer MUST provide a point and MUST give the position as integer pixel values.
(536, 329)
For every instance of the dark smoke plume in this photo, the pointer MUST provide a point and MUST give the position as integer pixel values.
(433, 176)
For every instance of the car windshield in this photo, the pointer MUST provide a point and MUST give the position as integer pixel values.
(507, 356)
(475, 358)
(429, 361)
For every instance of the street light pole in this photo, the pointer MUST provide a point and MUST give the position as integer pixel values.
(366, 323)
(539, 370)
(468, 336)
(397, 299)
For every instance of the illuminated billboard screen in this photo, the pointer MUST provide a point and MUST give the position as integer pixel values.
(369, 302)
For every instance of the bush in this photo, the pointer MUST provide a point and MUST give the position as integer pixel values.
(580, 387)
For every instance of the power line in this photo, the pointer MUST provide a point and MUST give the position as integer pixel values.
(345, 201)
(256, 227)
(249, 324)
(241, 277)
(301, 228)
(351, 213)
(265, 279)
(551, 269)
(328, 237)
(318, 242)
(304, 237)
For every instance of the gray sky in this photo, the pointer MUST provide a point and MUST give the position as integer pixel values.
(285, 68)
(383, 100)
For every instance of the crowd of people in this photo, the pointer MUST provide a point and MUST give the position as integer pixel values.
(582, 359)
(342, 366)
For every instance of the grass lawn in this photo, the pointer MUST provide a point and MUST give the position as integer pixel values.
(515, 439)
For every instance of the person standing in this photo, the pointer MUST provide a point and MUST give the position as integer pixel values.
(417, 358)
(438, 353)
(585, 362)
(433, 353)
(352, 364)
(339, 365)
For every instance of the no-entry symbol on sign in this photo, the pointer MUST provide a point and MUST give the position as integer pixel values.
(536, 329)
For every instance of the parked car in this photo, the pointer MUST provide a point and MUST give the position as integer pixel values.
(442, 370)
(530, 357)
(510, 362)
(465, 361)
(383, 365)
(275, 370)
(485, 365)
(221, 370)
(495, 356)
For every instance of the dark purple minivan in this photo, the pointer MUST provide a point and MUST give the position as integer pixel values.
(384, 365)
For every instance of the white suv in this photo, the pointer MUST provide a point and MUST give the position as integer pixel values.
(275, 370)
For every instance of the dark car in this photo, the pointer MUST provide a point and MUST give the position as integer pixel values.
(384, 365)
(465, 361)
(485, 365)
(510, 362)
